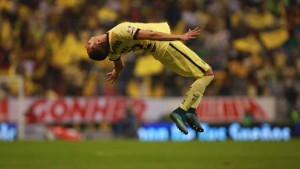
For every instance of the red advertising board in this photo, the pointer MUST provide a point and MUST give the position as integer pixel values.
(230, 109)
(3, 110)
(211, 109)
(83, 110)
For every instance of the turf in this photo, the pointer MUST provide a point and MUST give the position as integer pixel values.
(132, 154)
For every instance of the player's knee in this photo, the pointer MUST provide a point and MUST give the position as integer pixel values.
(209, 72)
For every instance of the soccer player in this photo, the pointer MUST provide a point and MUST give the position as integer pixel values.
(166, 48)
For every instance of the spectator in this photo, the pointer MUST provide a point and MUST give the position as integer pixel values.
(44, 42)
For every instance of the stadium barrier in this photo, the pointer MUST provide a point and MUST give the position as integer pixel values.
(211, 109)
(110, 111)
(235, 131)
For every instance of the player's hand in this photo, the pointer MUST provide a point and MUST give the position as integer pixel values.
(191, 34)
(112, 76)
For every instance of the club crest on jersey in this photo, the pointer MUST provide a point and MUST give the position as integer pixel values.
(130, 29)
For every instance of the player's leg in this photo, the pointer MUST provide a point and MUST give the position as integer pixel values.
(183, 61)
(195, 93)
(192, 100)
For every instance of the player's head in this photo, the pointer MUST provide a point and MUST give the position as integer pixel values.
(98, 47)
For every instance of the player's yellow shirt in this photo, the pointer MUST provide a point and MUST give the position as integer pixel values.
(122, 39)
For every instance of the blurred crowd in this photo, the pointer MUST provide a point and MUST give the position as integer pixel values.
(252, 45)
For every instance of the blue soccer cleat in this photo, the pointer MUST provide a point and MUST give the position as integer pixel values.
(193, 122)
(179, 117)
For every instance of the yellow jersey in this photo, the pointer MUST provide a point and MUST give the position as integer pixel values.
(122, 39)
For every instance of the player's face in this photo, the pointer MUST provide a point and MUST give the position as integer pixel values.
(94, 41)
(97, 47)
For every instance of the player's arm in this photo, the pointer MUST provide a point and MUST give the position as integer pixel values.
(114, 74)
(147, 35)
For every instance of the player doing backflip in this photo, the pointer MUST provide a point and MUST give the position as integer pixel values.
(167, 48)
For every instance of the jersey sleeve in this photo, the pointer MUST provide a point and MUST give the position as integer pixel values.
(124, 31)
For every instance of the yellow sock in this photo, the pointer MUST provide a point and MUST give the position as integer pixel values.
(195, 93)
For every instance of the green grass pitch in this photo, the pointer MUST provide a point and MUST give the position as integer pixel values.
(132, 154)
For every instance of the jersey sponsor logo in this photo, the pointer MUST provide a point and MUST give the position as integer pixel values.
(116, 45)
(149, 47)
